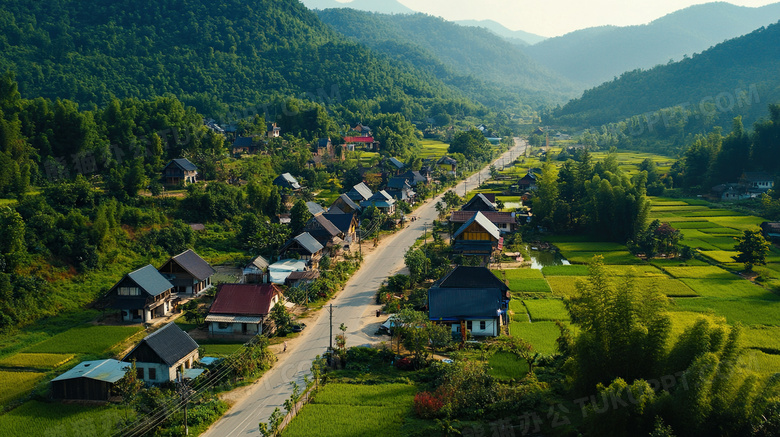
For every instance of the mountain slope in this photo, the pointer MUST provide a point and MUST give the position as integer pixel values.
(382, 6)
(711, 84)
(236, 52)
(516, 36)
(592, 56)
(460, 50)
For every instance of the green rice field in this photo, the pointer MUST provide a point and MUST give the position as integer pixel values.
(94, 340)
(17, 384)
(72, 420)
(36, 361)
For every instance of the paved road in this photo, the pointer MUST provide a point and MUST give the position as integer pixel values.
(349, 307)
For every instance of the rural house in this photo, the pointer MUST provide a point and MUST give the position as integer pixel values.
(347, 225)
(504, 221)
(180, 171)
(89, 381)
(477, 311)
(360, 192)
(771, 231)
(142, 295)
(315, 208)
(256, 272)
(304, 246)
(479, 202)
(399, 188)
(477, 237)
(188, 272)
(322, 230)
(527, 182)
(287, 181)
(241, 309)
(383, 201)
(164, 352)
(447, 164)
(344, 205)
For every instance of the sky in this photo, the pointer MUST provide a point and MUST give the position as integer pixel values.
(557, 17)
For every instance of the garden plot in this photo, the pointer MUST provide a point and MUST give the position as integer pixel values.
(546, 309)
(94, 340)
(350, 410)
(728, 288)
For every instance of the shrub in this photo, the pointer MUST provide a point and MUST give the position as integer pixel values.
(427, 405)
(404, 364)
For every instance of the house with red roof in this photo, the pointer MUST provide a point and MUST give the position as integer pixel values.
(241, 309)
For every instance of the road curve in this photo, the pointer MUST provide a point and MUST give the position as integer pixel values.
(348, 307)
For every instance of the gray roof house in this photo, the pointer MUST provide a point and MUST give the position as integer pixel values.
(382, 200)
(142, 295)
(179, 171)
(304, 245)
(478, 311)
(360, 192)
(286, 180)
(344, 205)
(315, 208)
(164, 352)
(188, 272)
(479, 203)
(255, 271)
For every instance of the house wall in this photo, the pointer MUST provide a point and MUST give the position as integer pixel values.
(235, 329)
(491, 328)
(163, 373)
(81, 389)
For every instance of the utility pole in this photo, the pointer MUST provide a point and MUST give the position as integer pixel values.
(330, 309)
(184, 393)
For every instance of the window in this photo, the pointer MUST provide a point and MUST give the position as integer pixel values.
(152, 374)
(482, 325)
(129, 291)
(139, 372)
(468, 325)
(223, 325)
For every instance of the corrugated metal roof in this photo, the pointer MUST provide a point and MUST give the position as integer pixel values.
(315, 208)
(150, 280)
(259, 262)
(320, 225)
(309, 243)
(109, 371)
(221, 318)
(363, 190)
(170, 343)
(397, 163)
(483, 222)
(398, 183)
(194, 264)
(463, 303)
(349, 202)
(288, 265)
(479, 203)
(243, 300)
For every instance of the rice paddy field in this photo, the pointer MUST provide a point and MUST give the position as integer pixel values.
(72, 420)
(354, 411)
(707, 286)
(94, 340)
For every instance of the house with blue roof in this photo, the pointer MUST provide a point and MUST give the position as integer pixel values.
(89, 381)
(142, 295)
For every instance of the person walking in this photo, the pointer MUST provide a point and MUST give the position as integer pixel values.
(285, 347)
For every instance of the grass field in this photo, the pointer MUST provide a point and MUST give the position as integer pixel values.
(36, 361)
(529, 285)
(94, 340)
(541, 335)
(71, 420)
(433, 149)
(354, 411)
(546, 309)
(219, 349)
(506, 366)
(16, 384)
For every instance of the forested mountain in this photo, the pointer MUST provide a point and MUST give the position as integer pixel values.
(517, 36)
(383, 6)
(737, 77)
(453, 52)
(595, 55)
(208, 54)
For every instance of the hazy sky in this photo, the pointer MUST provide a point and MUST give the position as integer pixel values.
(556, 17)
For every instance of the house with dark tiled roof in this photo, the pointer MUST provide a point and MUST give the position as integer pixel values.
(188, 272)
(347, 225)
(415, 178)
(477, 237)
(504, 221)
(400, 189)
(771, 231)
(242, 309)
(287, 181)
(180, 171)
(479, 203)
(243, 145)
(89, 381)
(757, 181)
(142, 295)
(324, 147)
(447, 164)
(527, 182)
(273, 130)
(395, 162)
(163, 353)
(469, 299)
(322, 230)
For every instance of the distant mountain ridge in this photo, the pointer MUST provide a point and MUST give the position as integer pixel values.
(462, 51)
(736, 77)
(519, 36)
(595, 55)
(381, 6)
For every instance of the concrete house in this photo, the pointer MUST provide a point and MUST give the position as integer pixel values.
(162, 353)
(179, 171)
